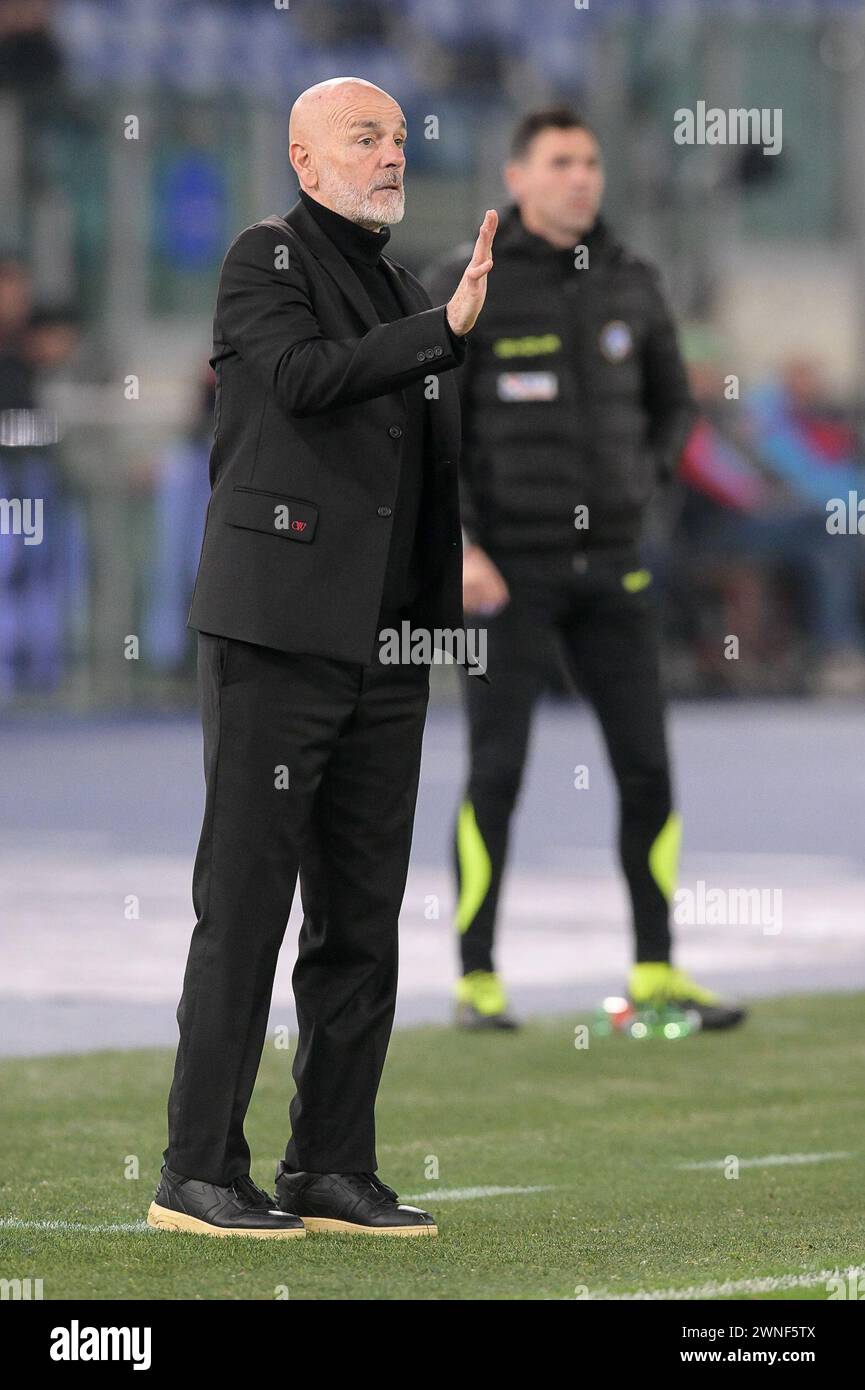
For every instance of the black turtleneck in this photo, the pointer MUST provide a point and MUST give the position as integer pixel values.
(354, 241)
(362, 248)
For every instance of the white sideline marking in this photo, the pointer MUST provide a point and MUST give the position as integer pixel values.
(770, 1161)
(767, 1284)
(770, 1284)
(14, 1223)
(447, 1194)
(467, 1194)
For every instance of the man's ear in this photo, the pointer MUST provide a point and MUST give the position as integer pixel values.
(302, 162)
(512, 175)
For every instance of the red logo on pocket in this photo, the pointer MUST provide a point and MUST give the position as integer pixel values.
(298, 526)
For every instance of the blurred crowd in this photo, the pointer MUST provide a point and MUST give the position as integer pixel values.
(759, 595)
(745, 547)
(43, 573)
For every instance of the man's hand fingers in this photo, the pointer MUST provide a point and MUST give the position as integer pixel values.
(475, 272)
(468, 297)
(483, 245)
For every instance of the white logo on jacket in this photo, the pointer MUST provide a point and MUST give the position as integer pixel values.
(616, 340)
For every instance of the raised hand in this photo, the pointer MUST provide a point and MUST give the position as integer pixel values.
(468, 297)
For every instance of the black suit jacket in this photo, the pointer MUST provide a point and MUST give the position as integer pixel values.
(305, 461)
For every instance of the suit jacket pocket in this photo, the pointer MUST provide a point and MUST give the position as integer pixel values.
(290, 518)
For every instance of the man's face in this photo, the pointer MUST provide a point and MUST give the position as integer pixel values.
(560, 181)
(360, 162)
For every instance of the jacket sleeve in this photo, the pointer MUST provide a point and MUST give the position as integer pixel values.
(440, 280)
(666, 392)
(264, 312)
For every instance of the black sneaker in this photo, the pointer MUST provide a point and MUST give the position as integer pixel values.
(655, 984)
(720, 1015)
(471, 1020)
(204, 1208)
(356, 1203)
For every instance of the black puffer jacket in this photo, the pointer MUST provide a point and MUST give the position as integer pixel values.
(574, 393)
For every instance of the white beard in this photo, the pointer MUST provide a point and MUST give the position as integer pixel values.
(369, 209)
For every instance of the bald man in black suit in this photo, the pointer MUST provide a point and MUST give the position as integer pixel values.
(334, 514)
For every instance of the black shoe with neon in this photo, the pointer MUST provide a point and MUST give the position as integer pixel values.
(656, 984)
(482, 1003)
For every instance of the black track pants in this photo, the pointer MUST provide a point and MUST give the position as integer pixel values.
(604, 621)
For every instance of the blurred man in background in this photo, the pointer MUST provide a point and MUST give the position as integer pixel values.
(575, 402)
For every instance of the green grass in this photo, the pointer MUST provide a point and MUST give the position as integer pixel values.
(602, 1128)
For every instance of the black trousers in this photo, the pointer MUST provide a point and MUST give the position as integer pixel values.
(311, 766)
(604, 623)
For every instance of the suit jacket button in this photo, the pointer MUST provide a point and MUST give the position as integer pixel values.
(437, 352)
(394, 431)
(384, 511)
(429, 353)
(421, 356)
